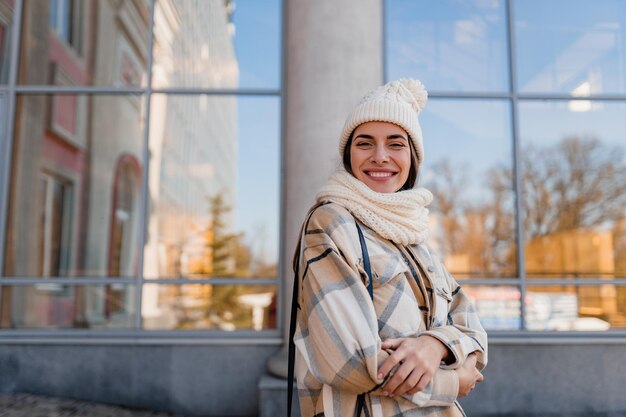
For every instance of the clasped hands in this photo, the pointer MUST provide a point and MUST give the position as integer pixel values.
(416, 360)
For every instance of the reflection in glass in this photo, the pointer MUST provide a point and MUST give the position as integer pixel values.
(498, 306)
(468, 167)
(6, 24)
(200, 307)
(574, 188)
(58, 306)
(212, 44)
(571, 46)
(573, 307)
(64, 44)
(75, 186)
(214, 177)
(450, 45)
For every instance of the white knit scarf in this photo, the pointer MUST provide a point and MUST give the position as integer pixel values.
(401, 217)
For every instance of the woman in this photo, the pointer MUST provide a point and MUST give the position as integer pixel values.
(415, 345)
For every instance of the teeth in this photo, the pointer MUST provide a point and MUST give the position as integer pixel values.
(380, 174)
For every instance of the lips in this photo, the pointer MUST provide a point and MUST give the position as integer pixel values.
(379, 174)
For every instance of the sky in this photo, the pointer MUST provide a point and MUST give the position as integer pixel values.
(258, 50)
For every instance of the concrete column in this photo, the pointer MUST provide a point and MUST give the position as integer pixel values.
(333, 57)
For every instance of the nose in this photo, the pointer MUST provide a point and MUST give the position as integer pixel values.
(380, 155)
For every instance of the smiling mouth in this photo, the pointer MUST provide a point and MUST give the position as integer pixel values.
(380, 174)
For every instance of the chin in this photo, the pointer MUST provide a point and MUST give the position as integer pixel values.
(383, 188)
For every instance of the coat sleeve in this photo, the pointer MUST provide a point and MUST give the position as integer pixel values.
(462, 332)
(337, 333)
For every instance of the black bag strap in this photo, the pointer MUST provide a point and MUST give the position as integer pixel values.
(360, 402)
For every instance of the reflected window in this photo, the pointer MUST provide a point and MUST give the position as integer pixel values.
(468, 167)
(574, 188)
(57, 306)
(214, 187)
(449, 45)
(6, 23)
(125, 217)
(571, 46)
(74, 186)
(201, 307)
(498, 307)
(56, 201)
(576, 308)
(66, 20)
(63, 45)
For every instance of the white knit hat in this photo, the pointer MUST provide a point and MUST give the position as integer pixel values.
(397, 102)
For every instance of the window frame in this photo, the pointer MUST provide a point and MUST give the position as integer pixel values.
(137, 335)
(522, 282)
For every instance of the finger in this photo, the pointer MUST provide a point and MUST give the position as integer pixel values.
(409, 383)
(391, 343)
(396, 379)
(419, 386)
(389, 364)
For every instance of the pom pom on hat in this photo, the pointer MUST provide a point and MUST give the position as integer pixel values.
(398, 102)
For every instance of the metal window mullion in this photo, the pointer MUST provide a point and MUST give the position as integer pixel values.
(144, 203)
(488, 281)
(283, 275)
(7, 148)
(575, 281)
(542, 281)
(383, 15)
(517, 169)
(216, 91)
(77, 89)
(461, 95)
(211, 281)
(103, 89)
(23, 281)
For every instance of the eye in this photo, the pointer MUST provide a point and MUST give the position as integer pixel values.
(363, 144)
(397, 145)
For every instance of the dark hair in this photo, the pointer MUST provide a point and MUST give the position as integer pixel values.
(413, 171)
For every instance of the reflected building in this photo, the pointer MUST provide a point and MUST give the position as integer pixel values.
(77, 163)
(193, 148)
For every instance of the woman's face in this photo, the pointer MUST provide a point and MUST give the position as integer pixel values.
(380, 156)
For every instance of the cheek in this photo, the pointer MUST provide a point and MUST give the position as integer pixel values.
(405, 162)
(356, 159)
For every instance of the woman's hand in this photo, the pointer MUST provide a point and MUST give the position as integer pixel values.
(417, 359)
(468, 375)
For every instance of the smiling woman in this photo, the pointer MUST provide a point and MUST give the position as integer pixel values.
(380, 327)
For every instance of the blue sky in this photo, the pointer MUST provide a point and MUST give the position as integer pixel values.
(258, 48)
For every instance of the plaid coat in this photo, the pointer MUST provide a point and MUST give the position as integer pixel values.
(340, 330)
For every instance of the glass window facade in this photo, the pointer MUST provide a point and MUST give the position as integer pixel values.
(143, 163)
(525, 144)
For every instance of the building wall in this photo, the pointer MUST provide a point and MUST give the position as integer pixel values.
(198, 380)
(522, 379)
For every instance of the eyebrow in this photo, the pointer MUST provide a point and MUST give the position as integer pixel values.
(393, 136)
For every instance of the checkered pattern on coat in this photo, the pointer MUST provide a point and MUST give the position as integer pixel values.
(340, 330)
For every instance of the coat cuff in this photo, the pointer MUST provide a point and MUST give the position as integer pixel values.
(449, 337)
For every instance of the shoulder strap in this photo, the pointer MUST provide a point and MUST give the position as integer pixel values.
(366, 261)
(294, 309)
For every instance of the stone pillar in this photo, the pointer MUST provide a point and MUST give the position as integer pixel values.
(333, 57)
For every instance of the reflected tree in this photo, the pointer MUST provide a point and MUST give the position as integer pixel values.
(577, 184)
(479, 236)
